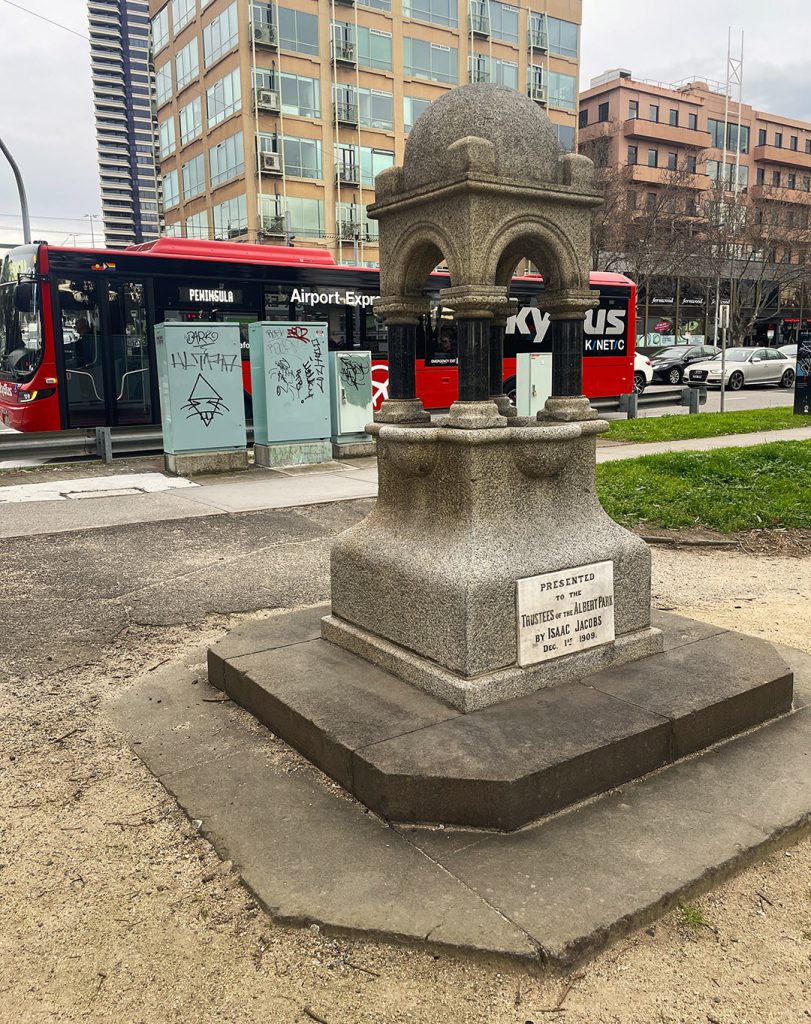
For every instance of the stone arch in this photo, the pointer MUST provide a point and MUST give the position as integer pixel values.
(541, 241)
(417, 251)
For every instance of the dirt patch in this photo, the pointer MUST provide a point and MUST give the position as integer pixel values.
(793, 543)
(114, 909)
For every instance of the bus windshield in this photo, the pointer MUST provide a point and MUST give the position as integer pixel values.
(20, 337)
(20, 333)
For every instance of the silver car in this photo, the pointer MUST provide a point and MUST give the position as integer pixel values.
(745, 366)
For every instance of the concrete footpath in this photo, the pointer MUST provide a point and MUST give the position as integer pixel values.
(50, 503)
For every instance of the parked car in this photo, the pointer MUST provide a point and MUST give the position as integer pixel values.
(643, 372)
(745, 366)
(670, 365)
(790, 351)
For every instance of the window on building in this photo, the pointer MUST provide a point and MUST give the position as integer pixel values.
(633, 155)
(482, 68)
(354, 223)
(653, 112)
(791, 181)
(691, 206)
(653, 158)
(776, 178)
(808, 145)
(298, 31)
(220, 35)
(562, 90)
(374, 48)
(672, 161)
(437, 63)
(163, 83)
(503, 22)
(537, 30)
(761, 176)
(793, 143)
(413, 106)
(375, 109)
(197, 225)
(306, 215)
(191, 121)
(194, 177)
(171, 189)
(633, 109)
(692, 122)
(160, 30)
(583, 119)
(224, 98)
(230, 218)
(301, 96)
(302, 157)
(691, 163)
(187, 66)
(807, 184)
(761, 137)
(716, 130)
(630, 199)
(173, 230)
(166, 137)
(674, 117)
(566, 137)
(778, 139)
(602, 113)
(439, 12)
(262, 14)
(650, 201)
(380, 5)
(563, 37)
(182, 13)
(226, 160)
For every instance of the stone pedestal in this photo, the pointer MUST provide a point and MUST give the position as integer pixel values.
(202, 463)
(292, 453)
(426, 586)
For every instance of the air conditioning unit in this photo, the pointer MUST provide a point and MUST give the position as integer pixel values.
(270, 163)
(267, 99)
(344, 51)
(347, 174)
(273, 226)
(265, 34)
(346, 113)
(537, 93)
(348, 230)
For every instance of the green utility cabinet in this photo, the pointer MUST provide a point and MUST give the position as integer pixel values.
(201, 392)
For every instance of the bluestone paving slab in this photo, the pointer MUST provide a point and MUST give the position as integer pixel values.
(580, 879)
(709, 689)
(173, 722)
(281, 492)
(510, 763)
(310, 856)
(677, 630)
(327, 703)
(262, 635)
(557, 890)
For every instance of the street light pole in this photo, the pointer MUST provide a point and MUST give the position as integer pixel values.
(21, 190)
(91, 217)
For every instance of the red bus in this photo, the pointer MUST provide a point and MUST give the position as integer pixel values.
(77, 325)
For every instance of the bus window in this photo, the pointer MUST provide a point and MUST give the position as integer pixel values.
(130, 351)
(440, 337)
(20, 334)
(82, 351)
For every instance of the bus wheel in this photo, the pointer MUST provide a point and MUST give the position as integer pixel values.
(509, 389)
(640, 382)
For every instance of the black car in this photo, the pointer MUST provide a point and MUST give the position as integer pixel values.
(669, 365)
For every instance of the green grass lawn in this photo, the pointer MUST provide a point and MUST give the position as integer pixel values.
(728, 489)
(705, 424)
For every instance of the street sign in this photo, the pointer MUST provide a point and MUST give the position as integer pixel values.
(723, 315)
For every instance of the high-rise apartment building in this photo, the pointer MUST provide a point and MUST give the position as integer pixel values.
(123, 95)
(274, 118)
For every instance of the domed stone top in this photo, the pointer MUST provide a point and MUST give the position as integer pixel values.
(526, 147)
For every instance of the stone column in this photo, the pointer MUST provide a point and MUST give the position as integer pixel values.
(402, 319)
(473, 308)
(497, 325)
(567, 309)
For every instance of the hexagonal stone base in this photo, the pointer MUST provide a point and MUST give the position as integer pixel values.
(411, 758)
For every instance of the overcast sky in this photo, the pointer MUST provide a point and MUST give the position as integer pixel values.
(46, 117)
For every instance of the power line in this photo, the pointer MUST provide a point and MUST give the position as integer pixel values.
(72, 220)
(49, 20)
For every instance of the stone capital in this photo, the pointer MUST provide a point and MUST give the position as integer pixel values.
(568, 303)
(395, 309)
(474, 301)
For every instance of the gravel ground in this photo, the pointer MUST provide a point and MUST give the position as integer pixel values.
(113, 909)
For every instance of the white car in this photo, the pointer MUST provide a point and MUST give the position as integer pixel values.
(745, 366)
(643, 372)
